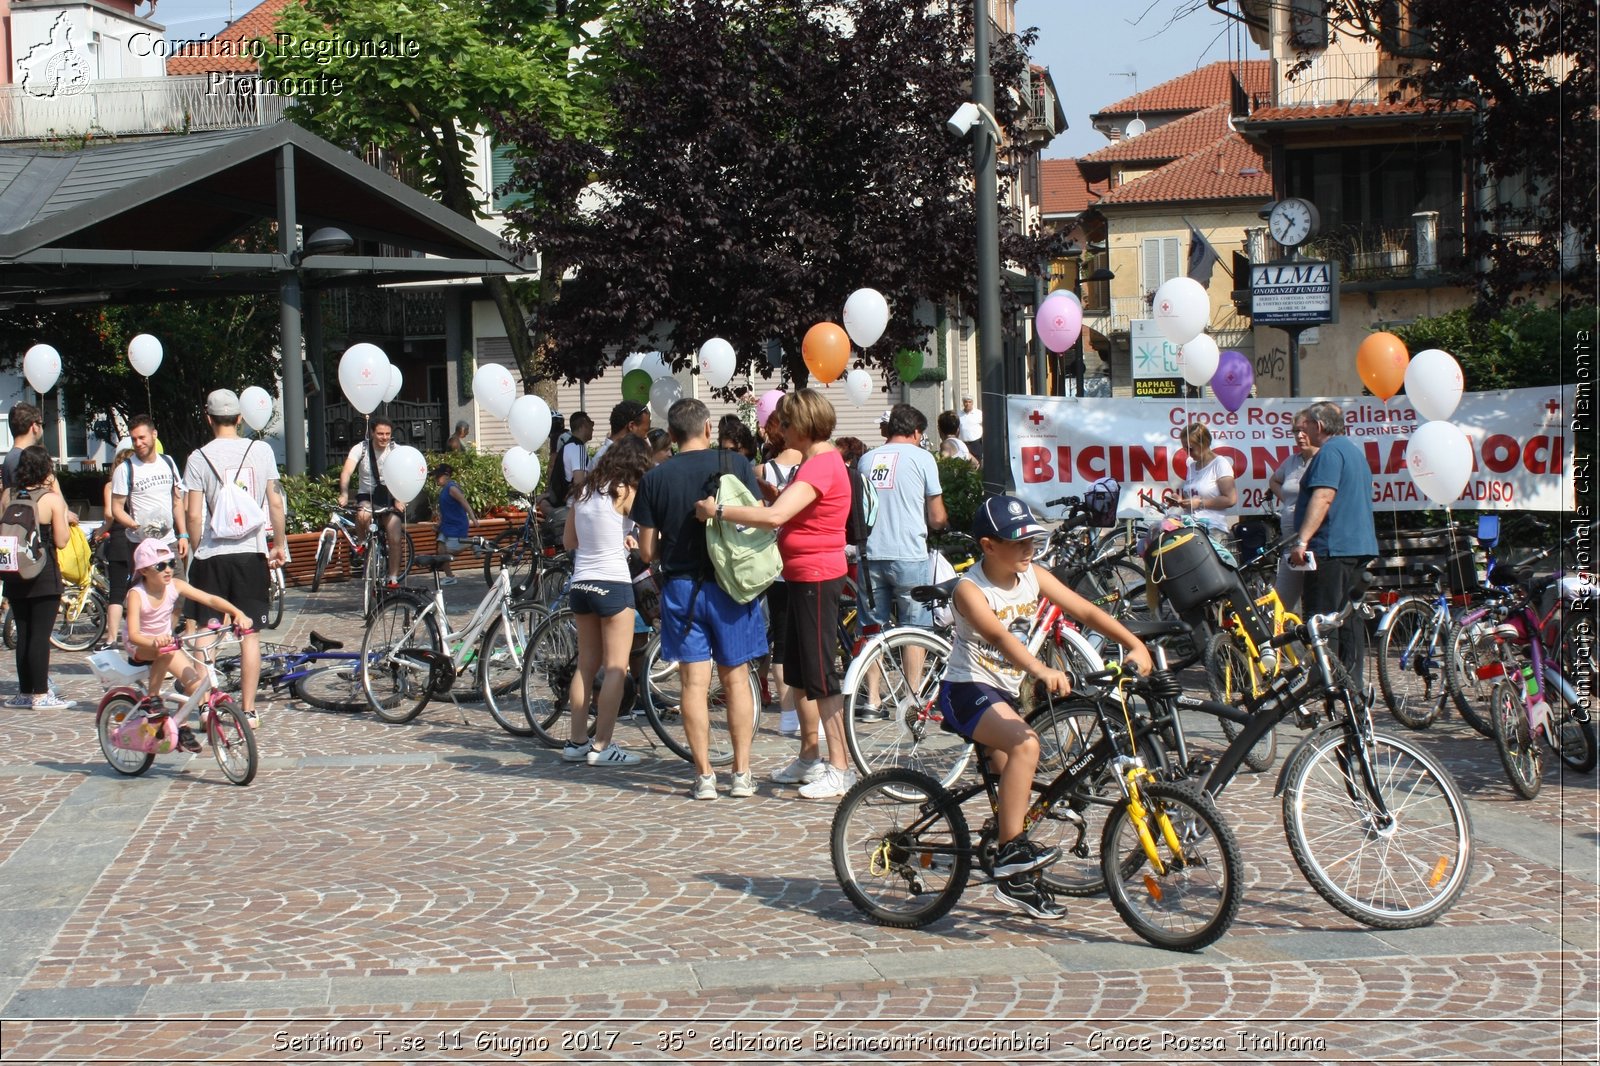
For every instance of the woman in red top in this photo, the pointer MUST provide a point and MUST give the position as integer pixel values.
(810, 516)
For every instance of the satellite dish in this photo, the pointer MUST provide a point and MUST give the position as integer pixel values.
(1135, 128)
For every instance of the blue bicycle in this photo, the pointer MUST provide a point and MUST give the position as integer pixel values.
(320, 674)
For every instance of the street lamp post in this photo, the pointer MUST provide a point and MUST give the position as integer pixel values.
(991, 363)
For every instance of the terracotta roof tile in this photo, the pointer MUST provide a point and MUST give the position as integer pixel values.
(1213, 173)
(1197, 89)
(1063, 189)
(1171, 140)
(215, 54)
(1357, 110)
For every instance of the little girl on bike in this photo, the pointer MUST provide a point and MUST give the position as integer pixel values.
(994, 601)
(151, 602)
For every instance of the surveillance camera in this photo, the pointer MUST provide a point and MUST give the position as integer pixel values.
(964, 118)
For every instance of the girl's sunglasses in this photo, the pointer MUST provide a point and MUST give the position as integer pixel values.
(163, 566)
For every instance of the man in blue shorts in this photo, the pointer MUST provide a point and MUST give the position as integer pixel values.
(700, 623)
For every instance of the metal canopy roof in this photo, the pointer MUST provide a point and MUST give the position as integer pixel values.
(139, 219)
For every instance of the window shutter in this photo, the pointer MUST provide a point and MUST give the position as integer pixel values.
(499, 174)
(1152, 264)
(1169, 259)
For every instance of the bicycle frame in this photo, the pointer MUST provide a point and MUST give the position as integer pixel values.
(462, 645)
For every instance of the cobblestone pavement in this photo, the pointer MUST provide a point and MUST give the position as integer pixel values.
(442, 891)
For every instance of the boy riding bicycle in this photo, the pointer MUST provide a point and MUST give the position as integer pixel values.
(987, 667)
(151, 603)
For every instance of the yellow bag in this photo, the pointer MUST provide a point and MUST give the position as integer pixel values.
(76, 560)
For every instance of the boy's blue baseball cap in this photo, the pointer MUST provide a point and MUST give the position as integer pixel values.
(1006, 518)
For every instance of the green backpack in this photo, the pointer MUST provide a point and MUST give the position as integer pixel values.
(746, 560)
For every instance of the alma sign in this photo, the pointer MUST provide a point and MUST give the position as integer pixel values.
(1303, 293)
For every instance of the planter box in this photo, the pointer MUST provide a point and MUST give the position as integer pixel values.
(303, 551)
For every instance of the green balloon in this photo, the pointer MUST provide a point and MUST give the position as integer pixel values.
(636, 386)
(908, 363)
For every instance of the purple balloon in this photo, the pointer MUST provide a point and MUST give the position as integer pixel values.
(1058, 321)
(1233, 379)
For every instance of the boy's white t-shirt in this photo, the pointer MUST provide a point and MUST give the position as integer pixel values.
(973, 658)
(257, 472)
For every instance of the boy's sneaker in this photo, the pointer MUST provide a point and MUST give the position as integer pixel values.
(705, 787)
(1020, 855)
(830, 784)
(51, 702)
(798, 772)
(789, 723)
(446, 582)
(742, 785)
(571, 752)
(610, 755)
(21, 702)
(1027, 895)
(187, 740)
(871, 712)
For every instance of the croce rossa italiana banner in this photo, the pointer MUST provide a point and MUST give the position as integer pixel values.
(1521, 444)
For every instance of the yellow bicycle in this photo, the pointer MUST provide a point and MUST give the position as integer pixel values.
(1237, 668)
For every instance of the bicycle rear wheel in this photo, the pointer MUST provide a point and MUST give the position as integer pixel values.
(1118, 588)
(327, 543)
(901, 848)
(1518, 747)
(510, 552)
(1410, 670)
(1575, 739)
(1468, 648)
(79, 626)
(1193, 897)
(233, 742)
(911, 735)
(500, 668)
(547, 670)
(398, 653)
(332, 688)
(275, 593)
(1231, 677)
(663, 708)
(1397, 867)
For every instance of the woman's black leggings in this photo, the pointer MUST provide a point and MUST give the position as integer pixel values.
(35, 618)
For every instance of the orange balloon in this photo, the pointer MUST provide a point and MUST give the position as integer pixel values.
(1381, 361)
(826, 349)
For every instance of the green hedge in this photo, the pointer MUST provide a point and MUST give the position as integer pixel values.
(963, 491)
(477, 473)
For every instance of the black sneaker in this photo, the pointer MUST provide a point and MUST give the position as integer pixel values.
(869, 713)
(187, 740)
(1020, 855)
(1027, 895)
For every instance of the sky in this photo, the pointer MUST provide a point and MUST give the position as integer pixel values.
(1090, 46)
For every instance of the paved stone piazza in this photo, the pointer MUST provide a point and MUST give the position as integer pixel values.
(445, 892)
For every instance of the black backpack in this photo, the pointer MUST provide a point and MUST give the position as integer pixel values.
(557, 485)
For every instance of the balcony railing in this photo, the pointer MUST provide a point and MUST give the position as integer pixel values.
(125, 106)
(1334, 77)
(1380, 251)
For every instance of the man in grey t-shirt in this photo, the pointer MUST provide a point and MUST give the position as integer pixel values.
(910, 502)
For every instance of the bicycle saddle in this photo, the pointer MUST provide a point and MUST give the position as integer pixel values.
(322, 643)
(1150, 628)
(434, 563)
(939, 593)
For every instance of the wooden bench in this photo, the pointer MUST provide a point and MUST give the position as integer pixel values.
(1404, 553)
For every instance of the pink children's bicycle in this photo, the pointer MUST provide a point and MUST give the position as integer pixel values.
(134, 728)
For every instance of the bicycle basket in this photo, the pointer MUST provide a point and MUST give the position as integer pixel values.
(1101, 501)
(1461, 570)
(1187, 570)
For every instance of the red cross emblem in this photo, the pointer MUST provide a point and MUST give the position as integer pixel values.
(1037, 419)
(366, 371)
(1552, 407)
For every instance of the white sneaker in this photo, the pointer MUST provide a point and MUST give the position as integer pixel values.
(612, 755)
(742, 785)
(830, 784)
(576, 752)
(798, 772)
(789, 723)
(48, 702)
(705, 787)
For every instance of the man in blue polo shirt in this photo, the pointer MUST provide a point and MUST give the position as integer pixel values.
(1334, 517)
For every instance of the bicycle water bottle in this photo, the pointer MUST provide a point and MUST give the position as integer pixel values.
(1269, 659)
(1530, 684)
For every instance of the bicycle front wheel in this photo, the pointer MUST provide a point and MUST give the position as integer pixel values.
(1574, 737)
(1232, 676)
(500, 662)
(548, 667)
(1192, 897)
(275, 591)
(114, 713)
(326, 544)
(233, 742)
(1468, 648)
(79, 626)
(398, 653)
(331, 688)
(901, 848)
(1410, 667)
(909, 665)
(1518, 747)
(1380, 830)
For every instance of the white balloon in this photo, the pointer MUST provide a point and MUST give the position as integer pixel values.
(858, 386)
(1197, 359)
(866, 316)
(1439, 457)
(396, 379)
(405, 471)
(717, 362)
(1181, 309)
(255, 404)
(633, 362)
(521, 469)
(42, 367)
(656, 366)
(494, 388)
(1433, 384)
(144, 352)
(529, 421)
(664, 392)
(364, 376)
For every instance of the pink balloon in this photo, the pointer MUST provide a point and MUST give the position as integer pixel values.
(766, 405)
(1058, 321)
